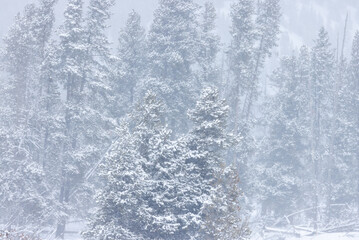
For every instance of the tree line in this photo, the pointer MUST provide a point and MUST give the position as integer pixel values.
(143, 126)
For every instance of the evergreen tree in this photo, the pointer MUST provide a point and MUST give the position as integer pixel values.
(161, 214)
(209, 46)
(72, 52)
(321, 91)
(241, 55)
(122, 196)
(304, 124)
(98, 60)
(285, 148)
(131, 62)
(251, 43)
(354, 70)
(49, 104)
(208, 138)
(239, 84)
(172, 43)
(210, 180)
(51, 122)
(21, 146)
(142, 197)
(84, 69)
(344, 133)
(267, 34)
(97, 122)
(20, 60)
(254, 33)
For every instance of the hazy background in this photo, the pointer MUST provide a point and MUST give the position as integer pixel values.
(300, 21)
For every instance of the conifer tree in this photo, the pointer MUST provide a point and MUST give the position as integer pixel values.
(209, 46)
(142, 195)
(303, 120)
(285, 149)
(321, 91)
(98, 59)
(218, 185)
(254, 33)
(131, 62)
(241, 55)
(161, 213)
(267, 32)
(172, 43)
(122, 196)
(72, 52)
(21, 146)
(97, 120)
(354, 73)
(344, 134)
(241, 62)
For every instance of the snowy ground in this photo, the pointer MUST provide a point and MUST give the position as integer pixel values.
(329, 236)
(332, 236)
(324, 236)
(74, 228)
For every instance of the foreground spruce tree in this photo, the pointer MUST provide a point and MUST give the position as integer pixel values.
(156, 188)
(139, 199)
(218, 184)
(120, 199)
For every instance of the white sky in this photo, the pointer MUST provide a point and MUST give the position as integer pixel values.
(300, 21)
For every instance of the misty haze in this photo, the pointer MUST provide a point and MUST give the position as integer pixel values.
(179, 119)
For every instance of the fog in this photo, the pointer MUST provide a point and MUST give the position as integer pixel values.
(179, 119)
(300, 21)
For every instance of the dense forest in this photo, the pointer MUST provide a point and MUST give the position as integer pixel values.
(170, 134)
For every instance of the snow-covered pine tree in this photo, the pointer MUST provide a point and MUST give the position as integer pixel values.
(209, 46)
(208, 139)
(215, 186)
(72, 51)
(172, 43)
(21, 147)
(239, 82)
(354, 76)
(267, 36)
(304, 102)
(98, 60)
(52, 120)
(285, 147)
(44, 23)
(19, 49)
(254, 33)
(122, 197)
(241, 56)
(96, 124)
(344, 133)
(49, 95)
(143, 196)
(322, 82)
(131, 63)
(161, 214)
(251, 43)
